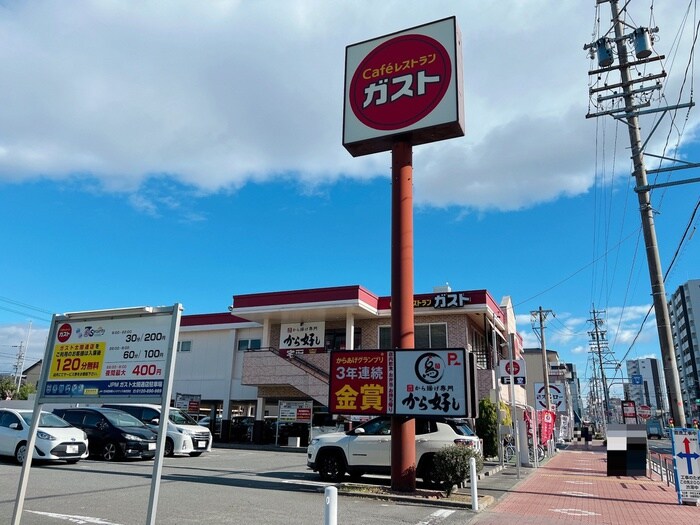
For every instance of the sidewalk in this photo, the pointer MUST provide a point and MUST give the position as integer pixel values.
(573, 487)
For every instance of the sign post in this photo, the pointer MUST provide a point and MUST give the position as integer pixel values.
(118, 355)
(401, 90)
(686, 464)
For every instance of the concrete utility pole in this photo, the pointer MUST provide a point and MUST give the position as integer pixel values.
(542, 315)
(630, 113)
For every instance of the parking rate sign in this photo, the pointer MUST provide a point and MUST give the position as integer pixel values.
(686, 464)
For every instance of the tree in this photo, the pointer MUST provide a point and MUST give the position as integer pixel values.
(25, 390)
(7, 388)
(487, 427)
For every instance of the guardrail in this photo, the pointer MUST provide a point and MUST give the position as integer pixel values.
(662, 465)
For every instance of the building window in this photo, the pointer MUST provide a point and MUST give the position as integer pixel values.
(249, 344)
(184, 346)
(426, 336)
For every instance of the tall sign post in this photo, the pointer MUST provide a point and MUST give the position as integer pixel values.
(401, 90)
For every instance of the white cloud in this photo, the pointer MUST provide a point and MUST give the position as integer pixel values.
(218, 94)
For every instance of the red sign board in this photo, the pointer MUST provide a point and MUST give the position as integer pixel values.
(405, 84)
(360, 382)
(644, 411)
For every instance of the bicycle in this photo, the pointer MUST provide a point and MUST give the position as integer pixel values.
(509, 450)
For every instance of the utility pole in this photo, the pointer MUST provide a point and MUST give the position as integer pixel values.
(542, 315)
(600, 346)
(629, 114)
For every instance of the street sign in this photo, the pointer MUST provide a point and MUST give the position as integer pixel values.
(644, 411)
(516, 368)
(517, 380)
(637, 379)
(686, 466)
(557, 395)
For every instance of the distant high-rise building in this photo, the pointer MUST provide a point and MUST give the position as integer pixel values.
(683, 307)
(646, 384)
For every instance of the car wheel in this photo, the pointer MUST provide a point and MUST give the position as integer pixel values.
(331, 467)
(21, 452)
(110, 451)
(169, 448)
(195, 454)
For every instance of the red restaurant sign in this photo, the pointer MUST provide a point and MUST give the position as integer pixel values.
(405, 83)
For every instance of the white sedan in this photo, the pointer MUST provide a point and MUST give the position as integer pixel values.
(56, 439)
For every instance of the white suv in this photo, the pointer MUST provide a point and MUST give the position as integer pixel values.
(367, 448)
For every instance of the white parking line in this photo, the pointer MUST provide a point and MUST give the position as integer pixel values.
(436, 517)
(84, 520)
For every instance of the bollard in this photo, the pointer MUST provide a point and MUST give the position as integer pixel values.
(472, 472)
(330, 514)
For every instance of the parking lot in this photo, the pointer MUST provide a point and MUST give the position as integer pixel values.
(224, 486)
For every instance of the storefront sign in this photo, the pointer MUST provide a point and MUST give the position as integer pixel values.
(407, 83)
(302, 338)
(402, 382)
(295, 411)
(556, 395)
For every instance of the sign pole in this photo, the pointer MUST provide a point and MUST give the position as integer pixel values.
(403, 430)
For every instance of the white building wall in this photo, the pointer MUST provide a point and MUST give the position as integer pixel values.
(212, 367)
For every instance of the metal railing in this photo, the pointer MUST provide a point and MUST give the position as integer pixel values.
(298, 361)
(662, 465)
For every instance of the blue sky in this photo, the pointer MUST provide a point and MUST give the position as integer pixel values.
(192, 151)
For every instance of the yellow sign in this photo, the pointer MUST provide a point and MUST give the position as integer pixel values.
(77, 360)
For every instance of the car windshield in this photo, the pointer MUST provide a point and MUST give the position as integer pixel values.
(122, 419)
(462, 428)
(180, 418)
(46, 420)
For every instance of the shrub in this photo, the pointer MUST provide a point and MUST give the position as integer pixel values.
(487, 427)
(452, 465)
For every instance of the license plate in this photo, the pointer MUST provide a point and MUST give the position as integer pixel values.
(72, 449)
(202, 444)
(151, 446)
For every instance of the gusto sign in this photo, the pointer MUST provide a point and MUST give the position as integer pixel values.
(400, 82)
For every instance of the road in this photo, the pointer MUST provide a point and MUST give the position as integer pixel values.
(225, 486)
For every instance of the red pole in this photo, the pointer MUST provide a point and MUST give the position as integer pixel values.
(403, 430)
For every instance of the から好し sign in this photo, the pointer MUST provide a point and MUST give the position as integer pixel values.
(407, 83)
(403, 382)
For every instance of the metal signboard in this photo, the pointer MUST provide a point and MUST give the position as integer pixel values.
(516, 368)
(556, 394)
(644, 411)
(431, 382)
(108, 356)
(295, 411)
(686, 464)
(104, 357)
(407, 83)
(403, 382)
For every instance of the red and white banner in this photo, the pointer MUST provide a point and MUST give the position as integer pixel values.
(546, 419)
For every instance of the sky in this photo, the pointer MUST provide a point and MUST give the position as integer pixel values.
(162, 152)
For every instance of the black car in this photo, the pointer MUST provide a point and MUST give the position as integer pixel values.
(112, 434)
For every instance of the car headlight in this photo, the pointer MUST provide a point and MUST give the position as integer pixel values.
(186, 432)
(132, 437)
(315, 441)
(44, 435)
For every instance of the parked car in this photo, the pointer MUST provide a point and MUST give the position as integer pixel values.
(112, 434)
(367, 448)
(206, 422)
(241, 428)
(184, 435)
(56, 439)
